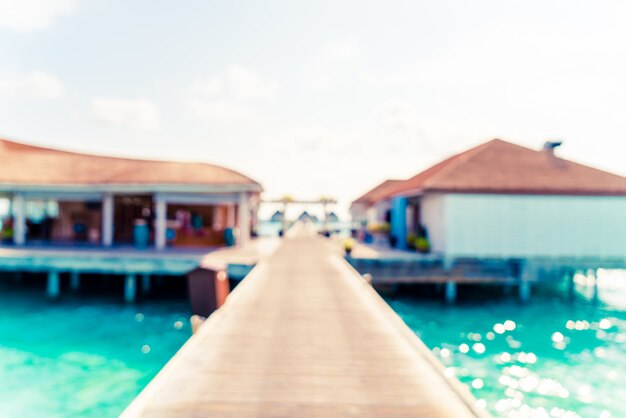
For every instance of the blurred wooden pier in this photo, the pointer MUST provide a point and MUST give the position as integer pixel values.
(388, 267)
(304, 335)
(73, 264)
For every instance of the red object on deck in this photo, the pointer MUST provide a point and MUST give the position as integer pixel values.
(208, 289)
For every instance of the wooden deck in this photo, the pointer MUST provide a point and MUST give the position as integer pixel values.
(129, 260)
(304, 335)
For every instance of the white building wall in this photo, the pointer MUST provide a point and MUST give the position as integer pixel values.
(534, 226)
(433, 217)
(380, 211)
(358, 213)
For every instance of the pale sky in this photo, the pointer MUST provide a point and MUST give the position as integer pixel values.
(319, 97)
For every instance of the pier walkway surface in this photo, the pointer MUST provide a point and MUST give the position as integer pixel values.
(303, 335)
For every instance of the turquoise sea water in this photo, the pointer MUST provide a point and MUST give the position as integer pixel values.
(553, 357)
(88, 356)
(81, 357)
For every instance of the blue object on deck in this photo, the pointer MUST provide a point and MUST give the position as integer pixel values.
(398, 221)
(229, 237)
(141, 234)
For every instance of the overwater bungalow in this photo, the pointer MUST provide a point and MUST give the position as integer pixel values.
(374, 205)
(504, 200)
(62, 198)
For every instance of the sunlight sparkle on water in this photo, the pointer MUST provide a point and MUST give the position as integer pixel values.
(555, 358)
(479, 348)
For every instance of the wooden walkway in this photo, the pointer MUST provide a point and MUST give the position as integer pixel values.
(303, 335)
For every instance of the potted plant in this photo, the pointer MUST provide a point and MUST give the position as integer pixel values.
(348, 246)
(422, 244)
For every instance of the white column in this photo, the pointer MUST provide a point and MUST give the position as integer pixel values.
(230, 216)
(161, 220)
(244, 218)
(218, 218)
(107, 220)
(19, 219)
(255, 218)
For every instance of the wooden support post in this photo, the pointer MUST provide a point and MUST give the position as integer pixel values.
(506, 288)
(146, 284)
(159, 280)
(54, 284)
(571, 284)
(18, 206)
(438, 288)
(395, 288)
(107, 220)
(160, 223)
(74, 281)
(524, 283)
(130, 288)
(450, 292)
(368, 278)
(524, 291)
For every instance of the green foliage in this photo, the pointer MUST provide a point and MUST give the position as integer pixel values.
(422, 245)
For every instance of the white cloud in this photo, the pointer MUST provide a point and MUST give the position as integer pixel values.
(36, 85)
(219, 110)
(232, 95)
(141, 114)
(333, 63)
(31, 15)
(237, 84)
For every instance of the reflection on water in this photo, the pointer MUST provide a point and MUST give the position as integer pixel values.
(78, 358)
(550, 358)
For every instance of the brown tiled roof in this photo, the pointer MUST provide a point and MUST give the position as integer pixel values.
(22, 164)
(377, 192)
(498, 166)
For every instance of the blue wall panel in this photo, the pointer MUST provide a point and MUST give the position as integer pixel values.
(398, 221)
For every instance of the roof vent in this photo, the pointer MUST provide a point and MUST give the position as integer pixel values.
(549, 146)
